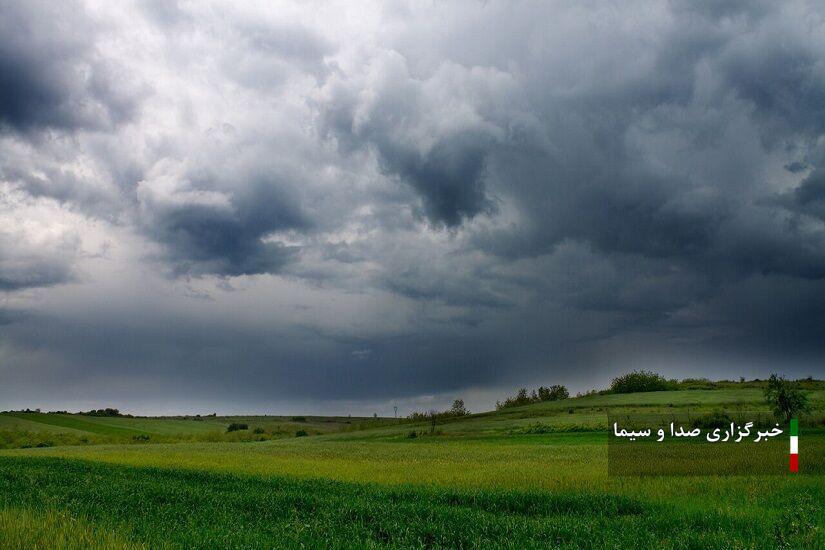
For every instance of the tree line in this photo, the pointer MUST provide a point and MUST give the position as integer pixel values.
(555, 392)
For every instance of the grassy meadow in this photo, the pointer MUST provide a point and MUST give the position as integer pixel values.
(520, 477)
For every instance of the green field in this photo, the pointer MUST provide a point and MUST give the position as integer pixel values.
(483, 480)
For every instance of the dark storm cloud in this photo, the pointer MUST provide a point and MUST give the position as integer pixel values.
(16, 273)
(50, 75)
(809, 196)
(599, 186)
(449, 178)
(445, 197)
(784, 82)
(439, 150)
(212, 358)
(226, 239)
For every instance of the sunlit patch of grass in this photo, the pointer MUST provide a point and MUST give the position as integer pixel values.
(55, 529)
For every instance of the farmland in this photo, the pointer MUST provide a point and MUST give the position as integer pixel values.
(486, 479)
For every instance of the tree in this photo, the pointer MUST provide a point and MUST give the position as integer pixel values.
(553, 393)
(458, 408)
(557, 392)
(785, 397)
(433, 416)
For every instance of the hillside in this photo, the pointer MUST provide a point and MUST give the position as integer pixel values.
(32, 429)
(464, 482)
(577, 414)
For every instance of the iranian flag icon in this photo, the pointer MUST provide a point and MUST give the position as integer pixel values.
(794, 445)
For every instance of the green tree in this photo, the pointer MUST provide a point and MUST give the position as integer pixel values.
(458, 408)
(785, 397)
(557, 392)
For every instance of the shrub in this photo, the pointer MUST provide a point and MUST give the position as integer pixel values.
(103, 412)
(641, 381)
(299, 419)
(433, 417)
(235, 426)
(258, 430)
(140, 437)
(301, 433)
(412, 435)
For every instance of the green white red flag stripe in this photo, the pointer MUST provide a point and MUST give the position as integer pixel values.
(794, 445)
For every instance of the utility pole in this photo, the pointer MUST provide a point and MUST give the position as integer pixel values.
(395, 408)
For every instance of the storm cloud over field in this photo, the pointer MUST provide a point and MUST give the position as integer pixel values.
(344, 206)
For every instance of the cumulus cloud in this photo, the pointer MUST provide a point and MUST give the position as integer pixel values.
(435, 134)
(37, 243)
(52, 73)
(208, 230)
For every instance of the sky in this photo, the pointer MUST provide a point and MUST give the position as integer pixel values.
(342, 207)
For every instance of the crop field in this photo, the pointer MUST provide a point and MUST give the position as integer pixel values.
(491, 479)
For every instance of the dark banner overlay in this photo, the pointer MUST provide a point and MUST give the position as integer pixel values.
(744, 443)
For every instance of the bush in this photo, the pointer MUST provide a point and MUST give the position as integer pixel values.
(103, 412)
(301, 433)
(299, 419)
(140, 437)
(258, 430)
(457, 410)
(412, 435)
(642, 381)
(235, 426)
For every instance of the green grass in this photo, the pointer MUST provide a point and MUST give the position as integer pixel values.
(31, 429)
(483, 480)
(197, 509)
(87, 424)
(24, 528)
(29, 423)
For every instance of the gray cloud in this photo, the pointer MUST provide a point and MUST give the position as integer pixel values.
(225, 236)
(395, 208)
(425, 132)
(50, 73)
(19, 273)
(37, 245)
